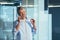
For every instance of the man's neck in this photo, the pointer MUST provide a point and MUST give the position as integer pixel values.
(23, 18)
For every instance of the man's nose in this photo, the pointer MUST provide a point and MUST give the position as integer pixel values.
(23, 13)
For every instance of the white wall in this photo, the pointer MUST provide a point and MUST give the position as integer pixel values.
(45, 21)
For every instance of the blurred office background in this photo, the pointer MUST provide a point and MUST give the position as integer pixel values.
(8, 14)
(40, 10)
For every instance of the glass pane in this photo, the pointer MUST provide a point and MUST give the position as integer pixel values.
(33, 14)
(24, 2)
(30, 12)
(6, 20)
(30, 2)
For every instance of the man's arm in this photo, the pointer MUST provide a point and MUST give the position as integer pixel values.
(18, 25)
(15, 28)
(34, 26)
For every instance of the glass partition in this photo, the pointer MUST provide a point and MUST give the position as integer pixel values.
(6, 20)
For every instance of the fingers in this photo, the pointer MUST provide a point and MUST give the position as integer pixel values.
(19, 18)
(32, 21)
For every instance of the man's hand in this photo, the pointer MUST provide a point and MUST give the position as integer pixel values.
(19, 19)
(33, 23)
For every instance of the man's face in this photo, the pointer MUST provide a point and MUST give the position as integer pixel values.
(22, 13)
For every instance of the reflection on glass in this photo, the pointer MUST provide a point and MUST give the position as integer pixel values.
(6, 22)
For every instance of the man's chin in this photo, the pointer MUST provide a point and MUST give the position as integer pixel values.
(23, 17)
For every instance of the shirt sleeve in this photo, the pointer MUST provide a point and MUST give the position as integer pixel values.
(14, 28)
